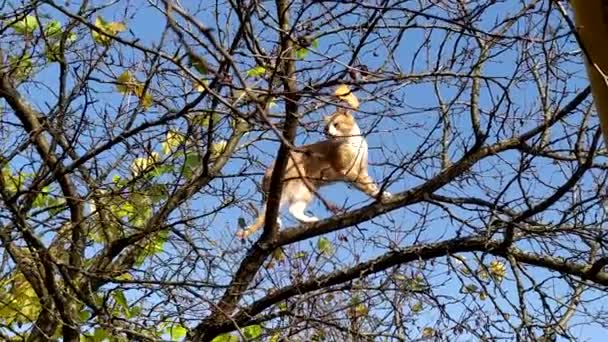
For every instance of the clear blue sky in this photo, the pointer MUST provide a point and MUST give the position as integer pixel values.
(402, 135)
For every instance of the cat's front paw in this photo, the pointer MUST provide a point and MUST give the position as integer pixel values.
(386, 196)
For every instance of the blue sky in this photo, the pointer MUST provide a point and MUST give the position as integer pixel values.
(401, 133)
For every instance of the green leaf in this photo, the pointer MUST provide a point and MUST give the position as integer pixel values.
(198, 63)
(300, 255)
(191, 162)
(256, 71)
(470, 288)
(203, 119)
(100, 334)
(52, 52)
(119, 297)
(301, 53)
(84, 316)
(225, 338)
(242, 223)
(159, 242)
(252, 331)
(52, 30)
(158, 192)
(21, 66)
(160, 170)
(177, 332)
(26, 25)
(315, 43)
(324, 246)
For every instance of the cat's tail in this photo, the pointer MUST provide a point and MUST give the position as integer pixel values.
(252, 228)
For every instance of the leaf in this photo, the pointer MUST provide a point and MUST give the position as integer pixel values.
(498, 270)
(271, 104)
(315, 43)
(483, 295)
(172, 141)
(84, 316)
(26, 26)
(198, 63)
(52, 30)
(21, 66)
(300, 255)
(256, 71)
(361, 310)
(470, 288)
(52, 52)
(203, 119)
(177, 332)
(198, 86)
(191, 163)
(142, 164)
(416, 308)
(225, 338)
(252, 331)
(111, 28)
(159, 242)
(124, 83)
(242, 223)
(428, 332)
(278, 254)
(146, 100)
(324, 246)
(127, 84)
(218, 147)
(119, 297)
(100, 334)
(125, 277)
(301, 53)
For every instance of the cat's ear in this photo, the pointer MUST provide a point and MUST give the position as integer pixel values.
(347, 96)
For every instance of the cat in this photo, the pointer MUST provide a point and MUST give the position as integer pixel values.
(343, 157)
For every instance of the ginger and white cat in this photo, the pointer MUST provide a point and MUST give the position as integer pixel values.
(340, 158)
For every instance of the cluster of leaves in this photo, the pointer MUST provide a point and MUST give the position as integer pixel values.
(128, 84)
(108, 29)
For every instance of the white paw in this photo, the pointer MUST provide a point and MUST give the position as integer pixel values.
(313, 219)
(386, 196)
(308, 219)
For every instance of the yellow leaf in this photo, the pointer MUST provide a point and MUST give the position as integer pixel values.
(498, 270)
(218, 147)
(344, 93)
(125, 82)
(142, 164)
(111, 28)
(198, 86)
(483, 295)
(146, 101)
(428, 332)
(115, 27)
(174, 139)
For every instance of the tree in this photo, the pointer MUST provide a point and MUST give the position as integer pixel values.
(135, 135)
